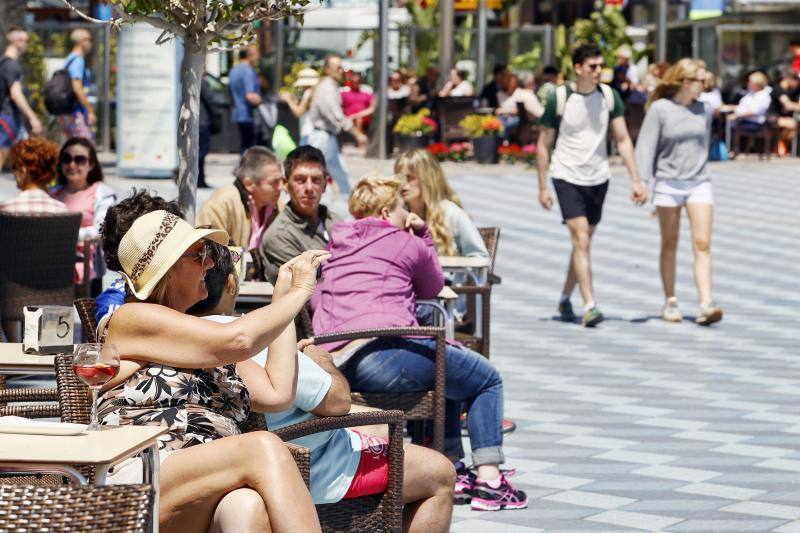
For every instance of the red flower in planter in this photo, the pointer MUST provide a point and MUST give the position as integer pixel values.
(440, 150)
(427, 121)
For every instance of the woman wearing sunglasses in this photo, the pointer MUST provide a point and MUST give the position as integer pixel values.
(81, 188)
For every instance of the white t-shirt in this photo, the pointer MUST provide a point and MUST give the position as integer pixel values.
(462, 89)
(756, 103)
(580, 156)
(334, 454)
(395, 94)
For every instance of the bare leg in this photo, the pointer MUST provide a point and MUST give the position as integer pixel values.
(194, 480)
(240, 510)
(700, 219)
(669, 220)
(428, 483)
(581, 267)
(3, 157)
(572, 280)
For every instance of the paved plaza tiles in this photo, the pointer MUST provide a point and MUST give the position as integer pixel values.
(640, 424)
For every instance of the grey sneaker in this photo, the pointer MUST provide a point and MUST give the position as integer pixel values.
(671, 312)
(566, 312)
(709, 313)
(592, 317)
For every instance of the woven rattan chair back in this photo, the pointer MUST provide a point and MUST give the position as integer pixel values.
(86, 308)
(37, 261)
(491, 237)
(77, 509)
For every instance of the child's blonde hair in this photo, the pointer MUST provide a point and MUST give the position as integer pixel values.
(373, 193)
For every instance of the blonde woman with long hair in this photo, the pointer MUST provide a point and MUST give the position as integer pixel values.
(428, 195)
(672, 148)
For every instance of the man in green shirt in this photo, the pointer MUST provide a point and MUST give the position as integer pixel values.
(581, 113)
(305, 223)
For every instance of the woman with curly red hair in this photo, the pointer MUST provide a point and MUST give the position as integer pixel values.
(34, 162)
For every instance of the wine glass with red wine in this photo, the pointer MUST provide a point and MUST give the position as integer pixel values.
(95, 364)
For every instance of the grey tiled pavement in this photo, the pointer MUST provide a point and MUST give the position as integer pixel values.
(639, 424)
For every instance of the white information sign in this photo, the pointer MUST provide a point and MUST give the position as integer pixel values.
(148, 90)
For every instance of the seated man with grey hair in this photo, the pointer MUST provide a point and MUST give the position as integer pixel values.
(247, 207)
(524, 94)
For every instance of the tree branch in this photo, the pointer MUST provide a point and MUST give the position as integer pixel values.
(161, 24)
(84, 16)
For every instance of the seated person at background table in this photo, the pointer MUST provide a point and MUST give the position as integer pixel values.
(246, 208)
(33, 162)
(304, 223)
(750, 113)
(548, 83)
(380, 264)
(345, 463)
(358, 105)
(494, 93)
(786, 102)
(457, 85)
(524, 95)
(137, 204)
(80, 186)
(197, 379)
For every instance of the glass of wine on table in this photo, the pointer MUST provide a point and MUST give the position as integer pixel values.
(95, 364)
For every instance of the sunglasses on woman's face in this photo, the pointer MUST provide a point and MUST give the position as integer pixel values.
(79, 160)
(199, 255)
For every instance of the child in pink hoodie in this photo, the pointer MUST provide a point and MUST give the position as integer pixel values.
(380, 264)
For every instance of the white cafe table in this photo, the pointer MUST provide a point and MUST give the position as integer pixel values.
(477, 268)
(255, 292)
(99, 449)
(444, 304)
(14, 361)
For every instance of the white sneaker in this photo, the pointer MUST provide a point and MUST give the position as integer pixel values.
(671, 313)
(709, 313)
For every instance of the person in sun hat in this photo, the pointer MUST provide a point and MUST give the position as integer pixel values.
(307, 79)
(196, 378)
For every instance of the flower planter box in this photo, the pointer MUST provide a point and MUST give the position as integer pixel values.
(485, 149)
(405, 143)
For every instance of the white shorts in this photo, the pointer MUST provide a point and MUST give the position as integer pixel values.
(677, 193)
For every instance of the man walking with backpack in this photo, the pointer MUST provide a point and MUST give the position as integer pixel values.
(13, 104)
(80, 120)
(580, 114)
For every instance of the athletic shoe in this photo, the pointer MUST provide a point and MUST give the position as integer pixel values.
(465, 484)
(709, 313)
(671, 312)
(592, 317)
(486, 498)
(566, 312)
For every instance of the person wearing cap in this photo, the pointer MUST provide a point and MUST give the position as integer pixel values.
(246, 207)
(196, 378)
(306, 81)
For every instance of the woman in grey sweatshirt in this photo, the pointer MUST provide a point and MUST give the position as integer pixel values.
(672, 148)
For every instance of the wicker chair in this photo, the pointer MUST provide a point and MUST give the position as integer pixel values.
(479, 341)
(86, 308)
(451, 111)
(37, 260)
(423, 405)
(77, 509)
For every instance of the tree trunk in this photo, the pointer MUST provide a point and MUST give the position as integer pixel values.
(194, 59)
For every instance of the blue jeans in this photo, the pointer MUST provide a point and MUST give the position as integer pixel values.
(406, 365)
(329, 146)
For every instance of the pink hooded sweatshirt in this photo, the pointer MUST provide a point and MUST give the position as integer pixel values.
(374, 276)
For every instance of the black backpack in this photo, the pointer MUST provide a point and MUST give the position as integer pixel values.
(59, 98)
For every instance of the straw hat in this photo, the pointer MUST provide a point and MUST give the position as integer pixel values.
(308, 77)
(153, 244)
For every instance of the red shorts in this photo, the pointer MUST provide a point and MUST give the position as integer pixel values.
(372, 474)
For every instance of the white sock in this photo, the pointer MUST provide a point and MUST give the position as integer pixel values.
(589, 306)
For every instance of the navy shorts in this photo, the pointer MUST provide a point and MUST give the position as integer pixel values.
(8, 131)
(581, 200)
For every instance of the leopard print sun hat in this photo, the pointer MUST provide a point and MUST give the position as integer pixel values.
(153, 244)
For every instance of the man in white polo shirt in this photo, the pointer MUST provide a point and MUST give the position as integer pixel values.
(580, 113)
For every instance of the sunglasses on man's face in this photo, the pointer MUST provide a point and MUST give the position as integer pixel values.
(79, 160)
(594, 66)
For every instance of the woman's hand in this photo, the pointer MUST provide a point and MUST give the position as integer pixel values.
(299, 273)
(414, 223)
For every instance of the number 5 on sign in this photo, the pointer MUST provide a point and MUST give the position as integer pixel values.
(47, 329)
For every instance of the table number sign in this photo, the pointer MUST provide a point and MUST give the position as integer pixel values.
(47, 329)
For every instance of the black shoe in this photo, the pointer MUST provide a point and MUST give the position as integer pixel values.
(566, 312)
